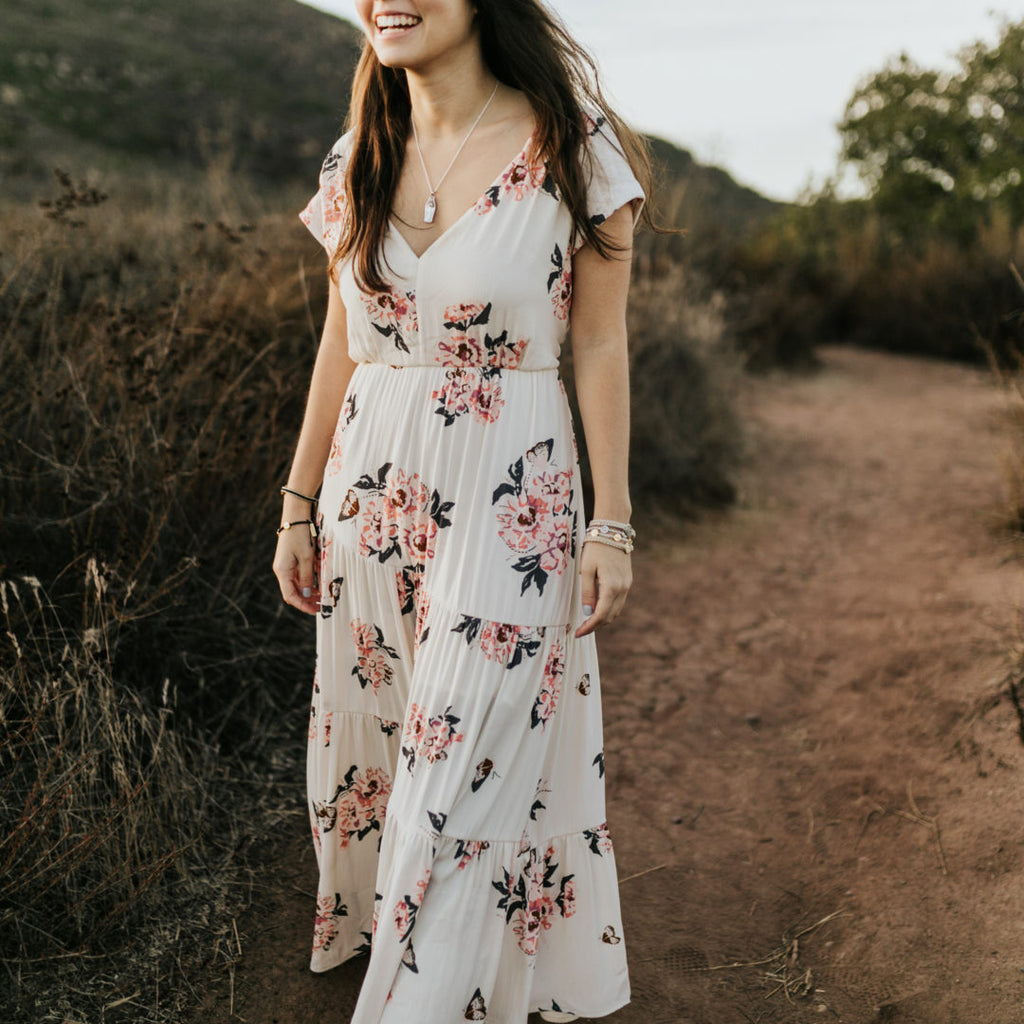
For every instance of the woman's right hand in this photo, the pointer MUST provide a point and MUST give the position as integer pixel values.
(294, 569)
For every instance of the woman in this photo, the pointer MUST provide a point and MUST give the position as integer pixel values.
(456, 589)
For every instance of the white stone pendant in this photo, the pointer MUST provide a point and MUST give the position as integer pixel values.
(430, 209)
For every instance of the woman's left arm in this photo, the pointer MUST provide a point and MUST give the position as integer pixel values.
(601, 369)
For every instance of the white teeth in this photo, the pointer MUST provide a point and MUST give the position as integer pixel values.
(385, 21)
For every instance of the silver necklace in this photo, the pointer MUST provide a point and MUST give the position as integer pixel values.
(430, 207)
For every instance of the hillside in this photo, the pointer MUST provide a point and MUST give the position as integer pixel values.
(113, 82)
(266, 79)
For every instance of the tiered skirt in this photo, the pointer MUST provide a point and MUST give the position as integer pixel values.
(455, 758)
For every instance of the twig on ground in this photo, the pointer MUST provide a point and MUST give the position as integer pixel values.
(646, 871)
(932, 824)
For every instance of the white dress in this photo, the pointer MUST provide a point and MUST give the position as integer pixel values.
(455, 765)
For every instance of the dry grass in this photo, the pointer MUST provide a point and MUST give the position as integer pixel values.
(156, 346)
(686, 439)
(152, 363)
(1007, 364)
(832, 271)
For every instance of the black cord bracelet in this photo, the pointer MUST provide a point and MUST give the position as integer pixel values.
(304, 497)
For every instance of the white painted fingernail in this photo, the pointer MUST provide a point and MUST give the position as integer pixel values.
(588, 610)
(306, 592)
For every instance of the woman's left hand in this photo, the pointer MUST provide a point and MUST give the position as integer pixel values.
(607, 577)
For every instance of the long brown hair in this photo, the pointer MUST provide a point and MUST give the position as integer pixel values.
(524, 46)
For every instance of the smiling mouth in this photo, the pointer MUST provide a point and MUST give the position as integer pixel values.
(388, 24)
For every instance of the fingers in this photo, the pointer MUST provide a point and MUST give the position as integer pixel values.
(606, 582)
(295, 577)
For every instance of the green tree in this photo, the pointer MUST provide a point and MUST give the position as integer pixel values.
(938, 150)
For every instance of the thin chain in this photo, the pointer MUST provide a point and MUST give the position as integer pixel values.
(433, 188)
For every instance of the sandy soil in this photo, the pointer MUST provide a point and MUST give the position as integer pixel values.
(807, 714)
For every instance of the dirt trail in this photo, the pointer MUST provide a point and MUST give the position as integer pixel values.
(805, 714)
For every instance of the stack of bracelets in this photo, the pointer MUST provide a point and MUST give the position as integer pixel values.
(311, 522)
(607, 531)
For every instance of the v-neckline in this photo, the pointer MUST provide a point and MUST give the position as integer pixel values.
(393, 228)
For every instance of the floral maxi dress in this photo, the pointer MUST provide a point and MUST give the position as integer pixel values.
(455, 764)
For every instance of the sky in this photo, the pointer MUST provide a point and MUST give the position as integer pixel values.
(757, 86)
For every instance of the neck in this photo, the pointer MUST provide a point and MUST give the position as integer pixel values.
(445, 100)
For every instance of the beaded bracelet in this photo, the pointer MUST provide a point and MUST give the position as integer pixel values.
(615, 525)
(626, 545)
(614, 534)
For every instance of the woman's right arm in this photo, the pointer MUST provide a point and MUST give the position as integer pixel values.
(293, 562)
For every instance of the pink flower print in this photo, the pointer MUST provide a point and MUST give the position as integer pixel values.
(561, 295)
(566, 900)
(543, 909)
(415, 727)
(520, 520)
(485, 400)
(408, 905)
(560, 284)
(372, 787)
(357, 808)
(547, 699)
(351, 819)
(334, 456)
(422, 600)
(324, 541)
(460, 350)
(508, 355)
(329, 911)
(397, 509)
(373, 656)
(467, 849)
(554, 544)
(392, 314)
(378, 534)
(404, 918)
(429, 737)
(498, 640)
(327, 728)
(399, 495)
(534, 515)
(555, 487)
(406, 589)
(503, 642)
(311, 732)
(527, 900)
(599, 839)
(418, 539)
(527, 931)
(521, 179)
(334, 203)
(453, 396)
(461, 316)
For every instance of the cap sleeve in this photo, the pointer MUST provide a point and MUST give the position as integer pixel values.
(611, 182)
(325, 211)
